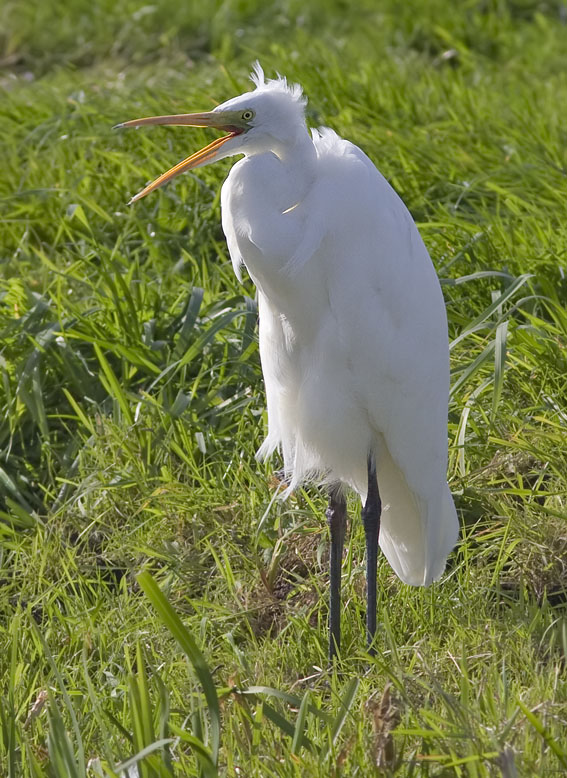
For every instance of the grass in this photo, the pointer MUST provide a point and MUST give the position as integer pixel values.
(159, 608)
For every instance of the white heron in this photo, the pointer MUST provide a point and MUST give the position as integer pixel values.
(353, 328)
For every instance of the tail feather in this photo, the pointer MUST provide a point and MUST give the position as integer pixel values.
(416, 534)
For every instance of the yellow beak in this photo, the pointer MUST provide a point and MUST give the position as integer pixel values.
(227, 121)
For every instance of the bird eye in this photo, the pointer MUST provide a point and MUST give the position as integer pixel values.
(247, 115)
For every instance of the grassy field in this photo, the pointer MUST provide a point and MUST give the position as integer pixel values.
(161, 614)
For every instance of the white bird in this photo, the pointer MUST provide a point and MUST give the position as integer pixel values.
(353, 328)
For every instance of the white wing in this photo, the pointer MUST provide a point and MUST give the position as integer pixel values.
(353, 340)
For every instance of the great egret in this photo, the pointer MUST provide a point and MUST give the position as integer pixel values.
(353, 329)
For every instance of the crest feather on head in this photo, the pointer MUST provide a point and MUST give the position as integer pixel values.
(278, 84)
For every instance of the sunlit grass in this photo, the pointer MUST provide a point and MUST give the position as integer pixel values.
(132, 404)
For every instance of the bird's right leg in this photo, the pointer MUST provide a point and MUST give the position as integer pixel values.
(371, 518)
(336, 516)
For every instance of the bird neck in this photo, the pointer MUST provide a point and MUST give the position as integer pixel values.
(298, 158)
(295, 149)
(299, 152)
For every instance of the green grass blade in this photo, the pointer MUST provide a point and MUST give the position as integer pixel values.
(346, 704)
(542, 730)
(61, 743)
(60, 748)
(198, 747)
(113, 386)
(192, 651)
(500, 347)
(287, 727)
(472, 368)
(492, 308)
(289, 699)
(148, 750)
(189, 319)
(300, 724)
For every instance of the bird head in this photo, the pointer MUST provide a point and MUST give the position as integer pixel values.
(270, 118)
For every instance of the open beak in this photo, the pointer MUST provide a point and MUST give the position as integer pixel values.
(202, 157)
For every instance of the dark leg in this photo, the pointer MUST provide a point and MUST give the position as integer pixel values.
(371, 518)
(336, 516)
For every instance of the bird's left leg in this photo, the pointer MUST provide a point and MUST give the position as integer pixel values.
(371, 519)
(336, 516)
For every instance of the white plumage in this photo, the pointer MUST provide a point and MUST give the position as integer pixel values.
(353, 330)
(353, 335)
